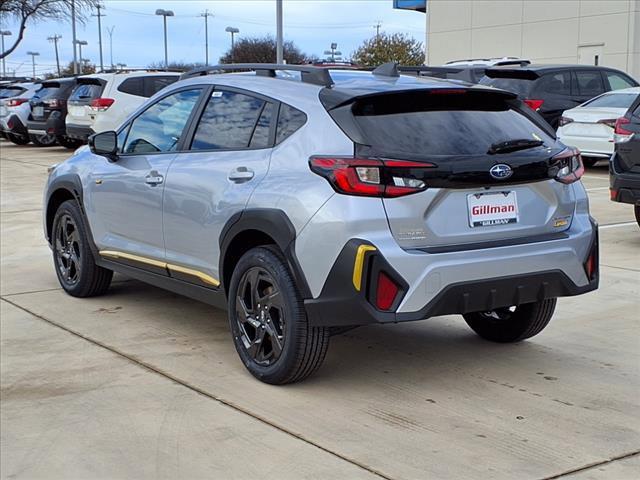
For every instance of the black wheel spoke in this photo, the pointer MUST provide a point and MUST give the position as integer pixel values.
(67, 250)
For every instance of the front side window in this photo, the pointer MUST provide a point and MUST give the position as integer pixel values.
(159, 127)
(617, 81)
(230, 121)
(589, 82)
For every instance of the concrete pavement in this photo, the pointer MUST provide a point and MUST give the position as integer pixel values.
(142, 383)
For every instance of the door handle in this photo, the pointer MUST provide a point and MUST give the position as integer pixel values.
(241, 174)
(154, 178)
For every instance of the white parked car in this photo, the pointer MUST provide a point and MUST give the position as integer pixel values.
(102, 101)
(15, 109)
(590, 126)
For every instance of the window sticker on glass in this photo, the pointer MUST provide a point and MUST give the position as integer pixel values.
(216, 94)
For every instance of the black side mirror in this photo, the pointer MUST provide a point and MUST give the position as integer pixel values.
(105, 144)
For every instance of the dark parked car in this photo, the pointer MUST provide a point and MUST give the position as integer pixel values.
(48, 112)
(624, 182)
(552, 89)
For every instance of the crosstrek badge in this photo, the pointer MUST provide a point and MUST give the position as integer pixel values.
(487, 209)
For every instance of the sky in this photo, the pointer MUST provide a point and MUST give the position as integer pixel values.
(138, 34)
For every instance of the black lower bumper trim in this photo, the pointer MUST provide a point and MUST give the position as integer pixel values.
(79, 132)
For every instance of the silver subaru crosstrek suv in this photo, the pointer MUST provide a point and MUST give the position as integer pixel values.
(308, 201)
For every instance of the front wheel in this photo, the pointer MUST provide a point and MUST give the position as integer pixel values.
(43, 140)
(268, 322)
(18, 139)
(512, 324)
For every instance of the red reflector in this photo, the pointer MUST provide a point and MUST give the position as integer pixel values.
(386, 292)
(590, 266)
(50, 131)
(613, 194)
(534, 104)
(447, 91)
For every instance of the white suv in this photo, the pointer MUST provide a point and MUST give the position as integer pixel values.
(15, 109)
(103, 101)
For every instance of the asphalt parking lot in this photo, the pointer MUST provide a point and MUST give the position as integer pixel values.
(142, 383)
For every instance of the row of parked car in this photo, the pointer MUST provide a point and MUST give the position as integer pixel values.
(68, 110)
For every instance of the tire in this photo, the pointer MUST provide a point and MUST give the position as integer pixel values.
(67, 142)
(261, 276)
(589, 161)
(73, 259)
(18, 139)
(42, 140)
(636, 210)
(507, 325)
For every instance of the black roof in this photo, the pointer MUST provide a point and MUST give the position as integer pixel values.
(533, 71)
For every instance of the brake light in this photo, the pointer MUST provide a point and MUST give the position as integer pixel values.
(568, 165)
(14, 102)
(53, 103)
(564, 121)
(609, 122)
(534, 104)
(370, 177)
(386, 292)
(618, 126)
(101, 104)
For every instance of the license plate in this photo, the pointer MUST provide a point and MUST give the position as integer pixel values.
(38, 111)
(486, 209)
(3, 111)
(77, 111)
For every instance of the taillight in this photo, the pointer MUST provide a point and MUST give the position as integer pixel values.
(53, 103)
(621, 134)
(609, 122)
(386, 291)
(14, 102)
(564, 121)
(101, 104)
(370, 177)
(568, 165)
(534, 104)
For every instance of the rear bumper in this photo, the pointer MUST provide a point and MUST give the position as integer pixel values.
(624, 186)
(13, 124)
(79, 132)
(51, 126)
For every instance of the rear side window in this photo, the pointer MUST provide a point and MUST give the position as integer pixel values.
(424, 124)
(86, 92)
(519, 86)
(555, 83)
(618, 81)
(132, 86)
(613, 100)
(589, 82)
(229, 121)
(289, 120)
(154, 84)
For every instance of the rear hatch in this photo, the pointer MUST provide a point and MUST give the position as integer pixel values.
(50, 98)
(80, 111)
(485, 164)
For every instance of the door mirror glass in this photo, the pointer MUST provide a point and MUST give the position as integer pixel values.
(105, 144)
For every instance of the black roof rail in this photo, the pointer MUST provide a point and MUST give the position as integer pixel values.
(308, 73)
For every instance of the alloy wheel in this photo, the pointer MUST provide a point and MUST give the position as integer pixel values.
(67, 248)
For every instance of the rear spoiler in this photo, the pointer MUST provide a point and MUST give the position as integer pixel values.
(91, 81)
(520, 73)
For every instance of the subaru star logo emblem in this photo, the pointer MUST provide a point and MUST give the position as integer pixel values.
(501, 171)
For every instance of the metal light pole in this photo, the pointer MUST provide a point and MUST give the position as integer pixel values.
(54, 39)
(80, 43)
(279, 46)
(165, 14)
(110, 30)
(33, 61)
(100, 15)
(4, 33)
(206, 16)
(333, 52)
(73, 34)
(232, 31)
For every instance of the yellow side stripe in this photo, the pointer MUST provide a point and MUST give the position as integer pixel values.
(359, 264)
(156, 263)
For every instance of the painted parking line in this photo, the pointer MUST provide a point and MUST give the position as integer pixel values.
(596, 189)
(616, 225)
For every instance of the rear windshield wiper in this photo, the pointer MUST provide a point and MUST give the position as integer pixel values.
(513, 145)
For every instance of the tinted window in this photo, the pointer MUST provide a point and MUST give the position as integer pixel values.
(159, 127)
(617, 81)
(132, 86)
(47, 92)
(519, 86)
(589, 82)
(555, 83)
(613, 100)
(410, 125)
(228, 121)
(154, 84)
(86, 92)
(11, 91)
(289, 120)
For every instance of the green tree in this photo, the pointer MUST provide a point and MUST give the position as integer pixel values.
(384, 48)
(86, 68)
(24, 11)
(262, 50)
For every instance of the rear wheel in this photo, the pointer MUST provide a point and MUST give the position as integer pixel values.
(589, 161)
(43, 140)
(512, 324)
(75, 265)
(268, 322)
(68, 142)
(18, 139)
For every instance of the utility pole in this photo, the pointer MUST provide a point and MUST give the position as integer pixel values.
(100, 15)
(73, 34)
(279, 40)
(4, 33)
(110, 30)
(54, 39)
(206, 16)
(80, 43)
(377, 27)
(33, 62)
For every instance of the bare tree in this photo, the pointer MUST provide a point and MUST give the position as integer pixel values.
(24, 11)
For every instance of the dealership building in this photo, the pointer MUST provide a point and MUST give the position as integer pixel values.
(594, 32)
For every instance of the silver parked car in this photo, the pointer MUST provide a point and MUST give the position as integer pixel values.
(307, 201)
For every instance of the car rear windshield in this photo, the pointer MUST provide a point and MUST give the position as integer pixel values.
(519, 86)
(86, 92)
(612, 100)
(47, 92)
(424, 124)
(7, 92)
